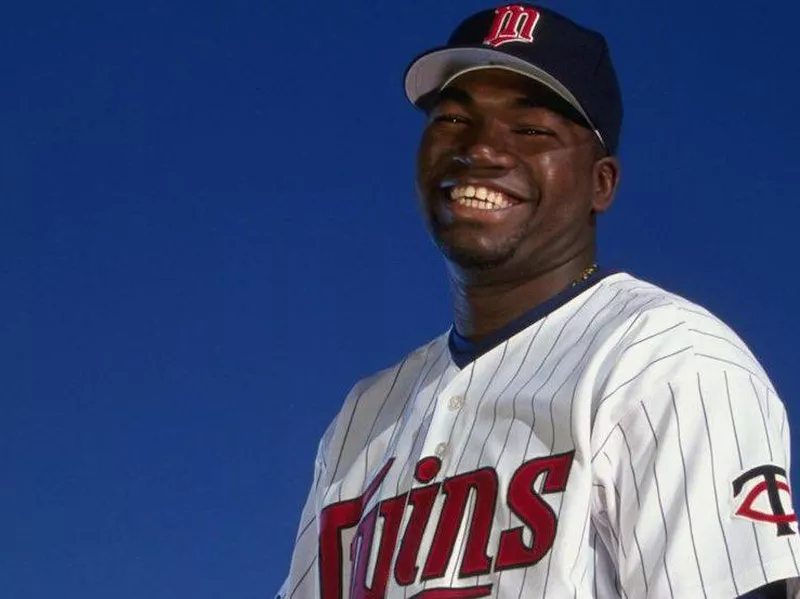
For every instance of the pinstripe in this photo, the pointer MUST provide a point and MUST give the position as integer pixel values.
(533, 398)
(500, 395)
(496, 403)
(771, 457)
(783, 428)
(594, 565)
(480, 403)
(404, 419)
(410, 459)
(578, 365)
(618, 498)
(653, 336)
(383, 405)
(642, 371)
(303, 577)
(724, 361)
(459, 553)
(640, 311)
(763, 419)
(583, 577)
(569, 376)
(733, 420)
(603, 444)
(617, 541)
(514, 407)
(794, 558)
(577, 559)
(552, 421)
(347, 434)
(618, 586)
(702, 313)
(420, 380)
(550, 351)
(660, 502)
(686, 488)
(766, 403)
(514, 401)
(613, 485)
(604, 513)
(714, 484)
(736, 346)
(594, 572)
(450, 436)
(638, 505)
(741, 466)
(583, 357)
(304, 528)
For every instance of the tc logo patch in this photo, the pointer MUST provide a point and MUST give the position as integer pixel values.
(761, 494)
(512, 23)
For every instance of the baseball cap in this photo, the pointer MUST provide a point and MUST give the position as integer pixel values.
(571, 60)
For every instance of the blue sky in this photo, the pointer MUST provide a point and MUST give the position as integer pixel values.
(208, 233)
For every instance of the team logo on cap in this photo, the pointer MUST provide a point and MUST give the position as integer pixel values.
(512, 23)
(764, 492)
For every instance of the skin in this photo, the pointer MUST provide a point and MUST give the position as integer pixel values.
(506, 132)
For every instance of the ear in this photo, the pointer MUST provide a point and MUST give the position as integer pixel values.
(606, 180)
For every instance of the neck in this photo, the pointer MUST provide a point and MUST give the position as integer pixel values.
(481, 309)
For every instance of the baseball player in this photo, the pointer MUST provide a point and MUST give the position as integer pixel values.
(578, 432)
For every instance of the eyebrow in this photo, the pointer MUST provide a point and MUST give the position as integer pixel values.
(529, 102)
(554, 103)
(541, 99)
(453, 94)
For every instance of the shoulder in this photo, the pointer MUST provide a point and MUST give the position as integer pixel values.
(659, 338)
(371, 399)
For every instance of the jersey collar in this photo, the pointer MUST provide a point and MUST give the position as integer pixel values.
(463, 351)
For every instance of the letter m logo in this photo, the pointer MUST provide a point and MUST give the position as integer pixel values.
(512, 23)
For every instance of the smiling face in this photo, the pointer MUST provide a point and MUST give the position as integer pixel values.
(508, 181)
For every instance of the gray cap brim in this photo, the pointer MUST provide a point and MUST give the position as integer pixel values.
(437, 69)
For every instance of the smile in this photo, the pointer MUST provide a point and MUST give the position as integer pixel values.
(479, 197)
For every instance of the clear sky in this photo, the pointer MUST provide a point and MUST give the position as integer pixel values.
(208, 233)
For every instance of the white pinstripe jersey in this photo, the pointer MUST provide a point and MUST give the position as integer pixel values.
(625, 443)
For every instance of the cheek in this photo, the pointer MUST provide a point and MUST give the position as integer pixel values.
(433, 158)
(565, 187)
(424, 159)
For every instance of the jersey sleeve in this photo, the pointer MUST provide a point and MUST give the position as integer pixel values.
(692, 483)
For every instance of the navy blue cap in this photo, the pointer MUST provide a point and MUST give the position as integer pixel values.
(571, 60)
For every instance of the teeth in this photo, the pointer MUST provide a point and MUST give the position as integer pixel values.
(479, 197)
(479, 204)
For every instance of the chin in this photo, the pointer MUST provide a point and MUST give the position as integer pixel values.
(470, 257)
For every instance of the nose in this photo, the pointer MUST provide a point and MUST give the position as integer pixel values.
(485, 147)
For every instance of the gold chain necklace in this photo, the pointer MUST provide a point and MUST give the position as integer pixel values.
(587, 272)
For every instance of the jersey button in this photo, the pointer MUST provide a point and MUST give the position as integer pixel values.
(441, 449)
(456, 402)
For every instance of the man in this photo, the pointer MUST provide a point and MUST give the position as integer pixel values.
(578, 432)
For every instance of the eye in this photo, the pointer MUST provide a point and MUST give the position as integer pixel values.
(451, 118)
(533, 131)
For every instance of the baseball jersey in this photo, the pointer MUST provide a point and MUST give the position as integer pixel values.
(617, 441)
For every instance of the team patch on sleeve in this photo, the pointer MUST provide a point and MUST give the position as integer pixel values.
(762, 495)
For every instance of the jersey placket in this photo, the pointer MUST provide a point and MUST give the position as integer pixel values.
(450, 404)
